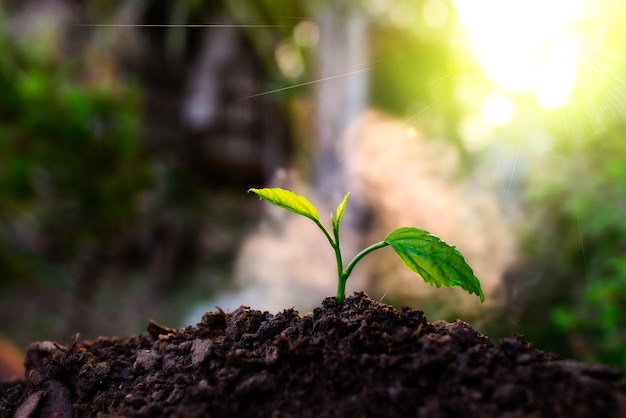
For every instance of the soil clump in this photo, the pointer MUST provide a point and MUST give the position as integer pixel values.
(358, 359)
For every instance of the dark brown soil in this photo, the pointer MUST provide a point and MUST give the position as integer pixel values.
(359, 359)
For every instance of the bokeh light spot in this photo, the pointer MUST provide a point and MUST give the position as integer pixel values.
(497, 110)
(289, 60)
(411, 133)
(306, 34)
(474, 133)
(436, 13)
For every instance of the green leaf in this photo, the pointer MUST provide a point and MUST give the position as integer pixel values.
(339, 213)
(288, 200)
(437, 262)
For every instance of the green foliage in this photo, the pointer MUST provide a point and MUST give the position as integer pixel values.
(437, 262)
(595, 323)
(582, 194)
(71, 163)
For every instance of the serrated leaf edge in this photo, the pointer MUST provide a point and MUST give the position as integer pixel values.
(467, 280)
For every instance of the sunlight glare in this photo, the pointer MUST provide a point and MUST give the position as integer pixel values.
(524, 46)
(557, 76)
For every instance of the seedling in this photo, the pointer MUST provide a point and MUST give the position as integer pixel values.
(423, 253)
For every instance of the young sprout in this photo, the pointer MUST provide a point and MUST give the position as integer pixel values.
(423, 253)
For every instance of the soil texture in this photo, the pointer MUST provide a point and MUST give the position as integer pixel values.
(358, 359)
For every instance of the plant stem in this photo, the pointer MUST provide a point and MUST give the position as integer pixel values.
(343, 275)
(341, 288)
(337, 249)
(335, 244)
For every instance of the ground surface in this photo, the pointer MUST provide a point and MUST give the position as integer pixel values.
(360, 359)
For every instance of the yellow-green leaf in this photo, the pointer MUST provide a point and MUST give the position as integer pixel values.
(288, 200)
(437, 262)
(340, 210)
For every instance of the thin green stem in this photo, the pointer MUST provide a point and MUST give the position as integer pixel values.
(337, 248)
(343, 276)
(335, 244)
(362, 254)
(339, 261)
(341, 289)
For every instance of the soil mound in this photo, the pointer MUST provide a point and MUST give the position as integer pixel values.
(359, 359)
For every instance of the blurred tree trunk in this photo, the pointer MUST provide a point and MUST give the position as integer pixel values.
(342, 95)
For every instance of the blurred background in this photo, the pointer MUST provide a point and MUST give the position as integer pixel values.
(130, 132)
